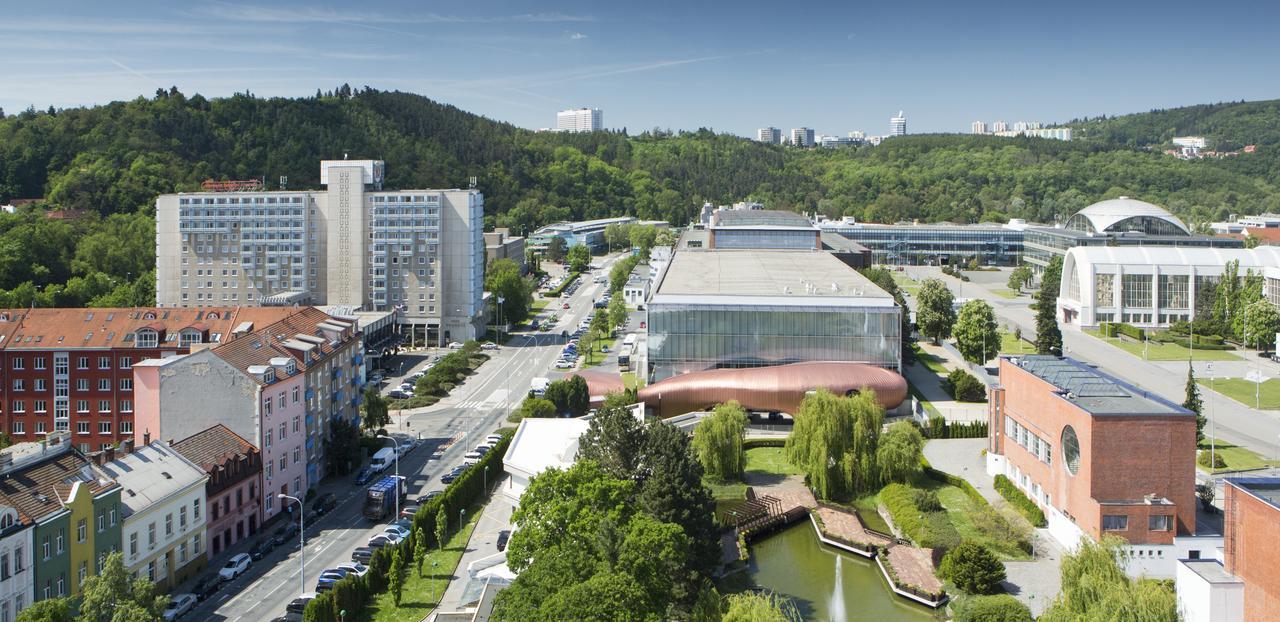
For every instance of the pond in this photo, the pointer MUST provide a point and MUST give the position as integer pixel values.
(826, 585)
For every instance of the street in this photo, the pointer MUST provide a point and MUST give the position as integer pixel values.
(474, 409)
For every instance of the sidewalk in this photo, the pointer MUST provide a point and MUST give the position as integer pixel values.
(495, 517)
(929, 386)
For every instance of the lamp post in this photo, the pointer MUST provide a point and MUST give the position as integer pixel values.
(486, 478)
(302, 541)
(462, 518)
(397, 463)
(1213, 428)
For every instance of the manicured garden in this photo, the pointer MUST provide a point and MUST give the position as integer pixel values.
(421, 594)
(1243, 391)
(1009, 344)
(1232, 457)
(1157, 351)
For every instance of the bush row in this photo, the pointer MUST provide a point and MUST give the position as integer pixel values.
(753, 443)
(354, 593)
(920, 517)
(941, 428)
(1020, 502)
(964, 386)
(573, 276)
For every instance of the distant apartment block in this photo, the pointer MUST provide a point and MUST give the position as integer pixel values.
(1055, 133)
(500, 244)
(771, 135)
(353, 244)
(1190, 142)
(580, 120)
(999, 126)
(898, 125)
(802, 137)
(978, 127)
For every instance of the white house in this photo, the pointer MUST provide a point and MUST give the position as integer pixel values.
(164, 514)
(538, 445)
(17, 578)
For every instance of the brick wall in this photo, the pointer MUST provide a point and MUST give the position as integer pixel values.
(1253, 552)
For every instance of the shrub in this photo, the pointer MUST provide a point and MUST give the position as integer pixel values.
(1025, 506)
(1205, 456)
(926, 500)
(928, 529)
(964, 387)
(998, 608)
(972, 568)
(753, 443)
(1131, 331)
(573, 276)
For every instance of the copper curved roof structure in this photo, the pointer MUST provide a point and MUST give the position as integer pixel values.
(778, 388)
(599, 383)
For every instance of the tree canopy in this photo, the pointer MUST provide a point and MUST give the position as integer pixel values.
(835, 441)
(935, 310)
(718, 442)
(975, 332)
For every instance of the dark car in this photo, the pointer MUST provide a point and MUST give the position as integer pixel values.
(299, 605)
(362, 554)
(325, 503)
(422, 500)
(503, 536)
(365, 475)
(449, 477)
(285, 533)
(207, 586)
(261, 548)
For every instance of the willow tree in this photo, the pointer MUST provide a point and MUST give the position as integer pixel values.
(1095, 588)
(718, 442)
(834, 442)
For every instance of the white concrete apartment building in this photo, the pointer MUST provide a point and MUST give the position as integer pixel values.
(17, 579)
(164, 513)
(770, 135)
(580, 120)
(352, 244)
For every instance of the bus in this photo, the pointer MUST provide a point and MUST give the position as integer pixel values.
(624, 356)
(630, 340)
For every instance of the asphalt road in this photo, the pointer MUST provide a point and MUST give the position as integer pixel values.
(457, 423)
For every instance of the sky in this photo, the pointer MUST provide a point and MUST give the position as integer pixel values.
(834, 66)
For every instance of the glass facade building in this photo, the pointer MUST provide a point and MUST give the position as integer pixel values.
(936, 244)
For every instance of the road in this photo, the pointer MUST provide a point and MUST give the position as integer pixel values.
(473, 410)
(1228, 419)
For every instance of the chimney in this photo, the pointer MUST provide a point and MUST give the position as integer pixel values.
(146, 437)
(110, 454)
(128, 445)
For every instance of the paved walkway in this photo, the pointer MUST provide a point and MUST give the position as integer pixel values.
(848, 526)
(929, 384)
(915, 567)
(791, 490)
(495, 517)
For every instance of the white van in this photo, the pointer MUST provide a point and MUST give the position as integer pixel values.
(381, 461)
(539, 387)
(471, 458)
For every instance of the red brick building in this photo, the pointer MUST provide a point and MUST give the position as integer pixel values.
(1099, 456)
(233, 492)
(70, 369)
(1251, 544)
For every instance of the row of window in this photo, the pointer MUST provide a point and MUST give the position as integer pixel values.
(1120, 522)
(241, 199)
(1028, 440)
(60, 366)
(39, 407)
(226, 501)
(269, 465)
(82, 384)
(82, 427)
(168, 529)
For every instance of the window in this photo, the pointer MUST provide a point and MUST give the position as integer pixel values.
(284, 429)
(81, 363)
(82, 406)
(284, 462)
(19, 407)
(40, 406)
(1115, 522)
(1135, 290)
(168, 525)
(19, 363)
(82, 384)
(4, 566)
(126, 362)
(126, 427)
(195, 545)
(266, 438)
(297, 455)
(126, 406)
(182, 518)
(147, 338)
(126, 384)
(19, 384)
(82, 531)
(271, 469)
(40, 384)
(84, 571)
(182, 552)
(45, 547)
(295, 395)
(104, 384)
(1070, 450)
(104, 362)
(104, 406)
(195, 511)
(111, 516)
(151, 536)
(18, 428)
(62, 540)
(102, 521)
(1159, 522)
(104, 427)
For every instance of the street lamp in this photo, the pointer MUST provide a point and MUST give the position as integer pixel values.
(302, 542)
(462, 518)
(486, 478)
(397, 491)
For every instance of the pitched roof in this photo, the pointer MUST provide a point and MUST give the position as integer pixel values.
(286, 338)
(115, 327)
(42, 488)
(213, 447)
(152, 473)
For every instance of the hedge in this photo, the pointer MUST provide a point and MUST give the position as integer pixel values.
(354, 593)
(941, 428)
(1020, 502)
(931, 530)
(754, 443)
(969, 491)
(573, 276)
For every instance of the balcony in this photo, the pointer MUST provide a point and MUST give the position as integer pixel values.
(337, 372)
(310, 393)
(357, 360)
(336, 397)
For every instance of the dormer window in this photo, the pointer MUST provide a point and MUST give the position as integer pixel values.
(269, 375)
(6, 522)
(147, 338)
(291, 367)
(149, 315)
(190, 336)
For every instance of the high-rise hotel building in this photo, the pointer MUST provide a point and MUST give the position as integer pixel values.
(580, 120)
(418, 252)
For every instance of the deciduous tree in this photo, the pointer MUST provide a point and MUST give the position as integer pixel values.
(1019, 277)
(718, 442)
(834, 442)
(898, 452)
(1261, 323)
(975, 332)
(556, 249)
(935, 310)
(115, 587)
(1095, 588)
(375, 409)
(579, 257)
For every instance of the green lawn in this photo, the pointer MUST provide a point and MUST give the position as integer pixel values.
(905, 282)
(416, 598)
(538, 305)
(1237, 458)
(1011, 345)
(1164, 351)
(928, 406)
(974, 521)
(934, 363)
(726, 492)
(1005, 293)
(770, 460)
(1243, 391)
(629, 380)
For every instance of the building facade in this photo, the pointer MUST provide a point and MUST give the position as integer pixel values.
(588, 232)
(934, 244)
(233, 490)
(762, 229)
(802, 137)
(978, 127)
(770, 135)
(1099, 456)
(163, 498)
(500, 244)
(351, 244)
(580, 120)
(17, 582)
(898, 125)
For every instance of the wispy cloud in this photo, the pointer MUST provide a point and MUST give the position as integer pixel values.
(302, 14)
(131, 70)
(577, 36)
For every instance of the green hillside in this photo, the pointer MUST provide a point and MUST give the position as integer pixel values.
(113, 160)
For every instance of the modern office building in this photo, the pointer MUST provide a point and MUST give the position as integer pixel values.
(1099, 456)
(500, 244)
(802, 137)
(762, 229)
(934, 244)
(352, 243)
(749, 308)
(232, 493)
(770, 135)
(978, 127)
(898, 125)
(71, 369)
(588, 232)
(163, 501)
(279, 386)
(1150, 286)
(580, 120)
(74, 505)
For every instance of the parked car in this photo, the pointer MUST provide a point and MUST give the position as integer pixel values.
(503, 537)
(408, 511)
(399, 531)
(383, 539)
(493, 438)
(235, 566)
(207, 586)
(299, 604)
(179, 605)
(565, 306)
(471, 457)
(325, 503)
(399, 395)
(455, 346)
(354, 568)
(423, 499)
(261, 548)
(285, 533)
(482, 449)
(365, 476)
(362, 554)
(489, 345)
(449, 477)
(604, 348)
(562, 364)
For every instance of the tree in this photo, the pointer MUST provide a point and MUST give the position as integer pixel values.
(759, 607)
(1095, 588)
(1048, 334)
(973, 568)
(376, 415)
(834, 442)
(671, 490)
(617, 312)
(996, 608)
(556, 249)
(342, 448)
(1019, 278)
(535, 408)
(570, 395)
(1193, 403)
(48, 610)
(442, 527)
(114, 588)
(975, 332)
(397, 574)
(1262, 322)
(579, 257)
(935, 310)
(898, 452)
(419, 549)
(503, 279)
(614, 440)
(718, 442)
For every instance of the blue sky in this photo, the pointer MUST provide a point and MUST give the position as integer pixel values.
(732, 66)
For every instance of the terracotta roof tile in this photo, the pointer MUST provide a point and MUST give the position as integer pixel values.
(115, 327)
(42, 488)
(260, 346)
(213, 447)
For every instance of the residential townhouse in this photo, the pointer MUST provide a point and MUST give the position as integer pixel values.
(17, 583)
(234, 466)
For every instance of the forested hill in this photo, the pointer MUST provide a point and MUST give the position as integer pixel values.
(111, 161)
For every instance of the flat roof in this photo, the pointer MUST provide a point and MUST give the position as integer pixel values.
(1211, 570)
(759, 218)
(773, 274)
(1264, 488)
(1093, 390)
(541, 444)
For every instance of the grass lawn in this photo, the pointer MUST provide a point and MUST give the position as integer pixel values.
(1237, 458)
(905, 282)
(538, 305)
(1005, 293)
(1164, 351)
(1243, 391)
(770, 460)
(928, 406)
(416, 600)
(928, 360)
(726, 492)
(1011, 345)
(629, 380)
(971, 520)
